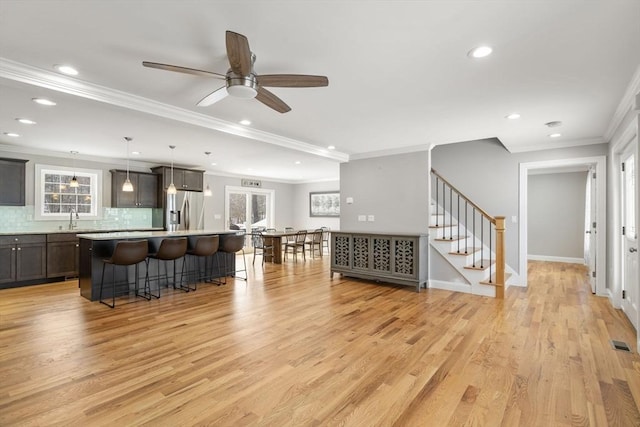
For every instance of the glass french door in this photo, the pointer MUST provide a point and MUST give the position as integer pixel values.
(248, 209)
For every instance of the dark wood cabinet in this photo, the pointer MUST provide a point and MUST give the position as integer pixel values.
(144, 194)
(183, 179)
(12, 171)
(23, 258)
(62, 255)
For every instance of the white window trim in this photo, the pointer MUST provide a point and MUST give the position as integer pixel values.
(248, 190)
(96, 192)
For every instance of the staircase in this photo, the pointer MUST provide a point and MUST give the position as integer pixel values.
(469, 239)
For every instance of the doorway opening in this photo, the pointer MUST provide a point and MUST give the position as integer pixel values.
(596, 213)
(249, 209)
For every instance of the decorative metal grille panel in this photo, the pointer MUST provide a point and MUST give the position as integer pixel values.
(381, 254)
(341, 251)
(361, 252)
(404, 256)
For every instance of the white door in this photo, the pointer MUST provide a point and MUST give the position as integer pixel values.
(630, 280)
(590, 223)
(248, 209)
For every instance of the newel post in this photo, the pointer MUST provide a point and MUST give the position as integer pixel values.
(500, 258)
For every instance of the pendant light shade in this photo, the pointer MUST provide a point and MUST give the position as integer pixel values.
(74, 181)
(207, 191)
(127, 186)
(172, 188)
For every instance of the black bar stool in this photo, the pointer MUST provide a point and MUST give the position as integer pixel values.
(170, 249)
(205, 247)
(232, 243)
(126, 253)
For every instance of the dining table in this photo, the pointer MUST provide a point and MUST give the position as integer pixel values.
(275, 238)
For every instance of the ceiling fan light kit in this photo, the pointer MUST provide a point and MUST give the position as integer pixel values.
(241, 79)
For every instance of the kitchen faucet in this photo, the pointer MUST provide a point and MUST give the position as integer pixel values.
(73, 225)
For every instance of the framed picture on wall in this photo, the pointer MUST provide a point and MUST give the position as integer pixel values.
(324, 204)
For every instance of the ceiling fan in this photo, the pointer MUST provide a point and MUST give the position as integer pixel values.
(241, 79)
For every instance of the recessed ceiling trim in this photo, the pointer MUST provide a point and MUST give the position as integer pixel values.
(38, 77)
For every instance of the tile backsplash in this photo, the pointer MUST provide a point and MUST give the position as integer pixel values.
(21, 219)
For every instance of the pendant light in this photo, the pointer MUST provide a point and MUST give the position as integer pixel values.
(207, 191)
(74, 181)
(172, 188)
(127, 186)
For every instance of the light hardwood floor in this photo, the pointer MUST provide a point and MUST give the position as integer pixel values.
(293, 348)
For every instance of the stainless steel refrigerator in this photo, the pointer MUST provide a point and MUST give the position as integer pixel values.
(184, 211)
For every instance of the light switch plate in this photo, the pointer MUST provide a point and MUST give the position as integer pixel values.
(217, 216)
(371, 218)
(362, 217)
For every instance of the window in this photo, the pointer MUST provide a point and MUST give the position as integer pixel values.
(55, 198)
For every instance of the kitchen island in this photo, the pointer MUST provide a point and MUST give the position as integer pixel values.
(95, 247)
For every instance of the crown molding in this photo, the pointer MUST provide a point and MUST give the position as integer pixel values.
(629, 102)
(38, 77)
(391, 152)
(572, 143)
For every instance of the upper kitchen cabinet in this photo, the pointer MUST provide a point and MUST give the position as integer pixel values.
(12, 171)
(183, 179)
(144, 194)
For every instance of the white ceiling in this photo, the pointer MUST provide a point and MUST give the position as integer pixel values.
(399, 78)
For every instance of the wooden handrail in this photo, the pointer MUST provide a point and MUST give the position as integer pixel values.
(499, 225)
(478, 208)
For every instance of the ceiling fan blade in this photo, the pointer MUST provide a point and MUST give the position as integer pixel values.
(213, 97)
(239, 53)
(179, 69)
(272, 101)
(292, 80)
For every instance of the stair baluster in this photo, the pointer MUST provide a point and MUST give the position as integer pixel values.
(478, 217)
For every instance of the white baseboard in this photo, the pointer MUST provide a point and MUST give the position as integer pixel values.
(481, 290)
(450, 286)
(556, 259)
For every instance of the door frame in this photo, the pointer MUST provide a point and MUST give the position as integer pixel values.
(249, 190)
(600, 164)
(633, 313)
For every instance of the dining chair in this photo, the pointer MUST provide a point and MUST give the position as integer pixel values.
(297, 245)
(325, 238)
(263, 244)
(314, 241)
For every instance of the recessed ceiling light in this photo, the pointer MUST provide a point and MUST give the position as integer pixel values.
(245, 122)
(43, 101)
(513, 116)
(66, 69)
(331, 147)
(214, 164)
(136, 153)
(26, 121)
(480, 52)
(12, 134)
(555, 135)
(297, 162)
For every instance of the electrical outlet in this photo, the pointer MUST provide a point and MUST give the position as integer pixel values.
(217, 216)
(514, 219)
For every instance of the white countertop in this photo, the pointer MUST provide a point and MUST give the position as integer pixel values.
(148, 234)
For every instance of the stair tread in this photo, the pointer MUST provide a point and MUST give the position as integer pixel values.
(493, 280)
(470, 251)
(485, 265)
(450, 238)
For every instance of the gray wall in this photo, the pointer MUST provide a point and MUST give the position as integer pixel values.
(301, 218)
(215, 205)
(395, 189)
(488, 174)
(556, 205)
